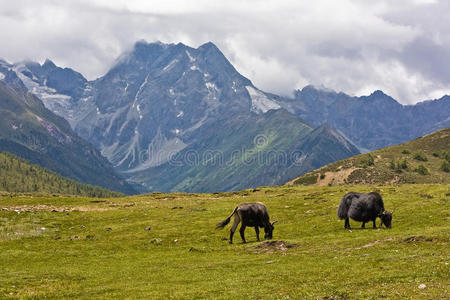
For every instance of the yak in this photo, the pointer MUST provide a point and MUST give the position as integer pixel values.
(250, 214)
(364, 208)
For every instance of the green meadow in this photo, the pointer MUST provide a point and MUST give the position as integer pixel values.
(163, 246)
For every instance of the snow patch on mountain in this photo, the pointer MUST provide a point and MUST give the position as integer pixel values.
(260, 102)
(191, 59)
(52, 100)
(170, 65)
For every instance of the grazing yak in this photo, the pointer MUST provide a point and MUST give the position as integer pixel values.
(250, 214)
(364, 208)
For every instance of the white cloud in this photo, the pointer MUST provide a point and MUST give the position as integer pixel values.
(400, 47)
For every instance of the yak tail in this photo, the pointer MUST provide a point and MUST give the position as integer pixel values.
(226, 221)
(345, 205)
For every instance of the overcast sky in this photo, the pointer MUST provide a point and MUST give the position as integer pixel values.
(356, 46)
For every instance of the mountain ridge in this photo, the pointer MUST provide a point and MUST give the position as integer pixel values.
(157, 99)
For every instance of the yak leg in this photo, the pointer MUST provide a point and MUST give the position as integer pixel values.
(257, 233)
(233, 228)
(242, 230)
(363, 225)
(374, 224)
(347, 223)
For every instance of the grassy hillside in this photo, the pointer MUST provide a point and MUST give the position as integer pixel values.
(165, 246)
(18, 176)
(423, 160)
(247, 151)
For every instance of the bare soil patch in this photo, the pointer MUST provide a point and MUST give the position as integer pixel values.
(371, 244)
(35, 208)
(335, 178)
(413, 239)
(274, 246)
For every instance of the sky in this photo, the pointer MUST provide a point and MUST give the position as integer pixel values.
(401, 47)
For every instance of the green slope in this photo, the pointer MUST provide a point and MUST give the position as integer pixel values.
(247, 151)
(423, 160)
(18, 176)
(165, 246)
(30, 131)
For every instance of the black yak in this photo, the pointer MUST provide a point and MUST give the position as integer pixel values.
(364, 208)
(250, 214)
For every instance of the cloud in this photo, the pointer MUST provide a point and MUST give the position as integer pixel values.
(401, 47)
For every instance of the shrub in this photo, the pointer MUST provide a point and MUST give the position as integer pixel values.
(322, 176)
(366, 161)
(306, 180)
(392, 164)
(435, 154)
(445, 155)
(422, 170)
(420, 155)
(445, 166)
(406, 151)
(399, 165)
(402, 164)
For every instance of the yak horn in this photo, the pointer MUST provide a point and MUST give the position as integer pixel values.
(274, 222)
(392, 211)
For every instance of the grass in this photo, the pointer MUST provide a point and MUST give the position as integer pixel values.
(423, 160)
(63, 247)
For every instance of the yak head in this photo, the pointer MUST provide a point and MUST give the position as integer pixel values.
(386, 218)
(268, 230)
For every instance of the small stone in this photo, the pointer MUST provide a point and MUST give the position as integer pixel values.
(5, 209)
(108, 229)
(148, 228)
(270, 262)
(175, 241)
(156, 241)
(82, 227)
(422, 286)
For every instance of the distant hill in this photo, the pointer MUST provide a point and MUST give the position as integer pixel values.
(369, 122)
(32, 132)
(19, 176)
(423, 160)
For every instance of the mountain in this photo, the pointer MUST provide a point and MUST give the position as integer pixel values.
(165, 102)
(30, 131)
(369, 122)
(264, 149)
(423, 160)
(18, 176)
